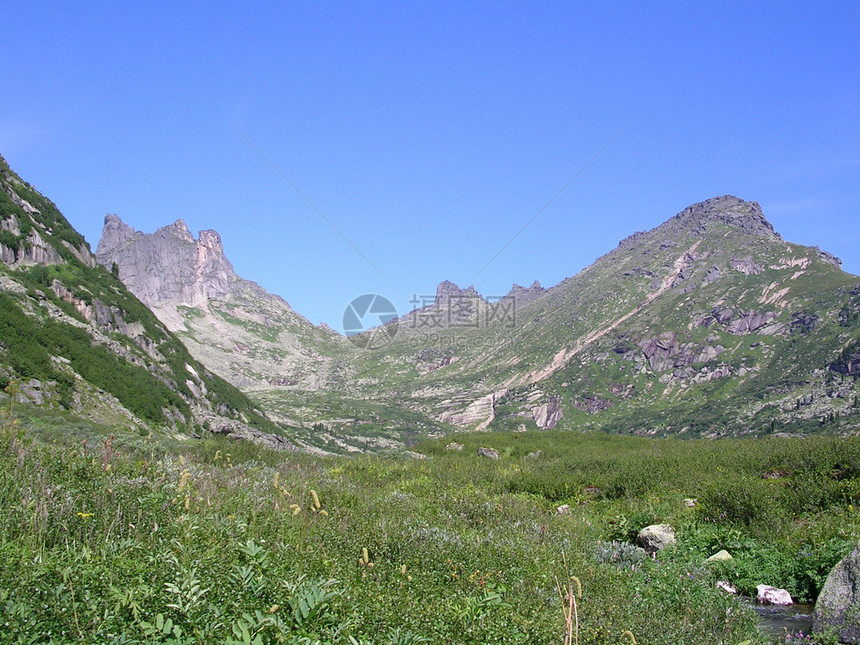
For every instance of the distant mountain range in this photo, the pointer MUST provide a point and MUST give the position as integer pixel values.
(709, 325)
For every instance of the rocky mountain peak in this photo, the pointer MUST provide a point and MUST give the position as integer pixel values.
(447, 291)
(114, 233)
(178, 229)
(729, 210)
(168, 267)
(524, 295)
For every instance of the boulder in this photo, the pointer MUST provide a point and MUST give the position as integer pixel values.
(564, 509)
(656, 537)
(720, 556)
(489, 453)
(728, 587)
(767, 595)
(838, 604)
(534, 455)
(454, 446)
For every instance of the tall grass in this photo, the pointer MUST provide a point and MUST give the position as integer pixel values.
(134, 540)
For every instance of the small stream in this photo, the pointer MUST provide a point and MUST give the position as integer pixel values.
(777, 621)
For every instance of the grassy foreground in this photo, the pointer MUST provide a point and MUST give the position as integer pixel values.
(145, 540)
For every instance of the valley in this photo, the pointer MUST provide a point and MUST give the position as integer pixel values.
(185, 459)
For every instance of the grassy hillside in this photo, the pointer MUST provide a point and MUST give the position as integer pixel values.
(124, 539)
(72, 337)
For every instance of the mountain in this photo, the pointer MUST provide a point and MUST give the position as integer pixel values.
(301, 374)
(246, 335)
(73, 338)
(710, 324)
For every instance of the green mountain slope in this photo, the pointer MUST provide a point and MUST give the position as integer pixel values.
(72, 337)
(708, 324)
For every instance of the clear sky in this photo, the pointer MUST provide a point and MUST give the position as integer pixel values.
(430, 133)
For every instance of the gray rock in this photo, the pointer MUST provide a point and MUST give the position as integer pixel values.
(548, 415)
(168, 266)
(522, 296)
(728, 587)
(489, 453)
(712, 276)
(838, 604)
(729, 210)
(534, 455)
(828, 257)
(746, 266)
(32, 392)
(750, 322)
(454, 446)
(564, 509)
(656, 537)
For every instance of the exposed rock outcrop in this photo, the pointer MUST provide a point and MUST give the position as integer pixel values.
(549, 414)
(189, 271)
(828, 257)
(522, 295)
(729, 210)
(665, 352)
(746, 266)
(838, 604)
(247, 433)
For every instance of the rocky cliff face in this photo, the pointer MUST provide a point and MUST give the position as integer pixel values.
(246, 335)
(168, 266)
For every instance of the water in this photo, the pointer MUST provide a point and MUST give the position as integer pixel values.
(776, 621)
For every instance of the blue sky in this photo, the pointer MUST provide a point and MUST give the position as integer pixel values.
(430, 133)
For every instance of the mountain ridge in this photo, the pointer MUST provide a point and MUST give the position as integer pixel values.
(709, 324)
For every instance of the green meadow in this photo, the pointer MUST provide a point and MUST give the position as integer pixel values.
(121, 538)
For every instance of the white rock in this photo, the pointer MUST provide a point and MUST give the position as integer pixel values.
(728, 587)
(768, 595)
